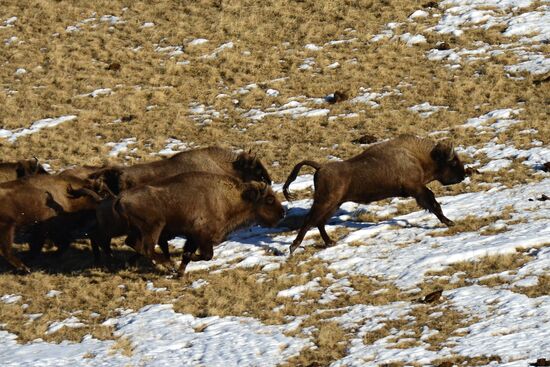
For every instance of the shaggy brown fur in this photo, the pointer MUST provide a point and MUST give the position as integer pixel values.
(32, 200)
(67, 227)
(244, 166)
(398, 167)
(13, 170)
(203, 207)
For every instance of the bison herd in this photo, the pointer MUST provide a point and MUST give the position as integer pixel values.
(202, 195)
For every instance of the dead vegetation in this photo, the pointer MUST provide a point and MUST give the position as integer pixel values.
(153, 91)
(472, 223)
(489, 271)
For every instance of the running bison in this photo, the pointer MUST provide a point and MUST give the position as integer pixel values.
(116, 179)
(203, 207)
(244, 166)
(30, 201)
(398, 167)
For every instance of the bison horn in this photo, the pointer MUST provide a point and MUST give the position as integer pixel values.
(36, 165)
(451, 151)
(263, 188)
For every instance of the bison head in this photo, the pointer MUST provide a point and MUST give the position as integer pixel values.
(29, 167)
(112, 178)
(449, 169)
(250, 168)
(268, 209)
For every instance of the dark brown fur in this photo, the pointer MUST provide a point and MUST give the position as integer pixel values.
(203, 207)
(65, 228)
(244, 166)
(398, 167)
(10, 171)
(34, 199)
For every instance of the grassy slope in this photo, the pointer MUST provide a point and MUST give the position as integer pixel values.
(269, 39)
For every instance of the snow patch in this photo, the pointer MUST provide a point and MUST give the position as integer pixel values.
(13, 135)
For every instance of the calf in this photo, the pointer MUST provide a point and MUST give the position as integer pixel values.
(399, 167)
(33, 200)
(13, 170)
(203, 207)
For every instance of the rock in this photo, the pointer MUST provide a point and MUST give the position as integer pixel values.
(441, 46)
(541, 362)
(432, 297)
(127, 118)
(365, 139)
(336, 97)
(430, 4)
(115, 66)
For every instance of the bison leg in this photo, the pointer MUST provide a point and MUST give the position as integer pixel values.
(324, 235)
(188, 252)
(163, 244)
(426, 199)
(317, 216)
(102, 241)
(206, 252)
(7, 233)
(147, 244)
(62, 244)
(36, 243)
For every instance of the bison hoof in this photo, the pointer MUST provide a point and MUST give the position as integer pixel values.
(449, 223)
(22, 271)
(293, 247)
(330, 243)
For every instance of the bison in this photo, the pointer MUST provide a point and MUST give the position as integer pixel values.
(203, 207)
(13, 170)
(30, 201)
(244, 166)
(66, 227)
(398, 167)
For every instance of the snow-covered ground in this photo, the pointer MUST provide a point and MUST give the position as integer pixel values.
(163, 337)
(401, 251)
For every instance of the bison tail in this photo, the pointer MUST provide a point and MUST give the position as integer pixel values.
(294, 174)
(120, 213)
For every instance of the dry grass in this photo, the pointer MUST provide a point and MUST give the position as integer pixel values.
(151, 97)
(330, 341)
(75, 63)
(541, 289)
(470, 271)
(465, 361)
(472, 223)
(123, 346)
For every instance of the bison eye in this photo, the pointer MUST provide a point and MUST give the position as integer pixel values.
(270, 200)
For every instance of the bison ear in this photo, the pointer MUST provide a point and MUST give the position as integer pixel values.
(443, 152)
(35, 166)
(108, 179)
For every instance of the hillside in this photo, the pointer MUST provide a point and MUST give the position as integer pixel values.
(127, 82)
